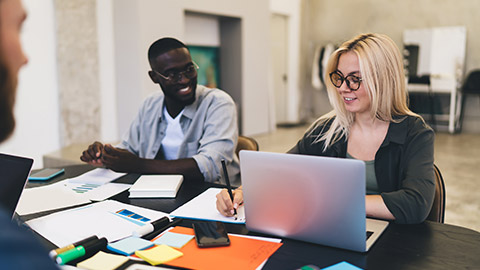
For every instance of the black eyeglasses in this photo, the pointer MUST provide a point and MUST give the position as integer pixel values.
(172, 76)
(352, 81)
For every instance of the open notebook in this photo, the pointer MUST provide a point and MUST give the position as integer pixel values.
(309, 198)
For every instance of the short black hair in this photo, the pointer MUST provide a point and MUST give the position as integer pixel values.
(162, 46)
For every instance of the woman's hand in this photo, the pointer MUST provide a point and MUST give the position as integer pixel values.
(225, 205)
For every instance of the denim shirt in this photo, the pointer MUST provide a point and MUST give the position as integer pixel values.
(210, 128)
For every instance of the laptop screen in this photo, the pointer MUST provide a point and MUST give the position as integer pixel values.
(14, 173)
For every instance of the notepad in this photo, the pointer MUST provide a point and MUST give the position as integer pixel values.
(102, 261)
(156, 186)
(203, 207)
(243, 253)
(128, 246)
(159, 254)
(171, 239)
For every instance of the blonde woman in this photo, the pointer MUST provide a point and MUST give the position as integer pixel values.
(370, 121)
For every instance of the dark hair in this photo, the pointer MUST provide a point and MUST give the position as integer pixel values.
(162, 46)
(7, 99)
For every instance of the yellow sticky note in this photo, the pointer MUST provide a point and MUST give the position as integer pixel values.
(102, 261)
(159, 254)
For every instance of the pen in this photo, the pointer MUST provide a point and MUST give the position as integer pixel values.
(53, 253)
(89, 248)
(150, 227)
(152, 235)
(229, 188)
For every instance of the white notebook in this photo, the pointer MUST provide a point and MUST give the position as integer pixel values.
(156, 186)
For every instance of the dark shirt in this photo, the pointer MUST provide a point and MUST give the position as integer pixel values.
(19, 248)
(403, 165)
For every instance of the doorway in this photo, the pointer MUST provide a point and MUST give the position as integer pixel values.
(279, 52)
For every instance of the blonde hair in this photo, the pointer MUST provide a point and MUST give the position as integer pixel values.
(381, 69)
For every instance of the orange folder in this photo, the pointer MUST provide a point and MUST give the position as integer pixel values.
(243, 253)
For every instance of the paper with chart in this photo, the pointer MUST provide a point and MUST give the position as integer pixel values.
(204, 207)
(98, 176)
(110, 219)
(91, 186)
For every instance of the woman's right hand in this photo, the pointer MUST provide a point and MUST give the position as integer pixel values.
(225, 205)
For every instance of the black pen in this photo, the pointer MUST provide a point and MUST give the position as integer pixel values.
(152, 235)
(229, 188)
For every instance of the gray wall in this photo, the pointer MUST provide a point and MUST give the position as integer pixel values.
(338, 20)
(77, 60)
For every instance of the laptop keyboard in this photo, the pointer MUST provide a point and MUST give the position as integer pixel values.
(369, 233)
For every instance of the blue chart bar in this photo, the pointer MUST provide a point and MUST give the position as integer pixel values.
(131, 216)
(85, 188)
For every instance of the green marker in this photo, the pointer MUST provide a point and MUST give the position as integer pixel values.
(88, 249)
(70, 255)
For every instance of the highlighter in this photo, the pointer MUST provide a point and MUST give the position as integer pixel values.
(88, 249)
(150, 227)
(55, 252)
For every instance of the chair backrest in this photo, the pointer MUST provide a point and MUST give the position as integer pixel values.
(437, 213)
(472, 82)
(246, 143)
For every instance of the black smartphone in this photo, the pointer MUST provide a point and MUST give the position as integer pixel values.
(211, 234)
(45, 174)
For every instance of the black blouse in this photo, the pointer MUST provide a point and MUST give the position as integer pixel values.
(403, 165)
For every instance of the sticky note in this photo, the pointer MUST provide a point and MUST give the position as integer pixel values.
(159, 254)
(129, 245)
(102, 261)
(342, 266)
(176, 240)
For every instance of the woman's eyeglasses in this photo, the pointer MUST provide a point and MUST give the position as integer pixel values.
(352, 81)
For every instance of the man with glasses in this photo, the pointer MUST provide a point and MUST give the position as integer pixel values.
(184, 129)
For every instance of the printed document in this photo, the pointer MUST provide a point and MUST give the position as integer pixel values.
(110, 219)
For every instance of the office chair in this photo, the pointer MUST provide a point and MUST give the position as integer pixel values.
(437, 213)
(246, 143)
(471, 85)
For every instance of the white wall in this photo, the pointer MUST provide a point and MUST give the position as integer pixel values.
(139, 23)
(201, 30)
(36, 109)
(106, 55)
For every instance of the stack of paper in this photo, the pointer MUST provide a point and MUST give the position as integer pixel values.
(110, 219)
(156, 186)
(91, 186)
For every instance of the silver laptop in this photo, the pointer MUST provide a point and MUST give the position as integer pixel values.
(14, 173)
(309, 198)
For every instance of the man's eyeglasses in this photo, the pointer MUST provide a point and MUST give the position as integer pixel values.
(189, 72)
(337, 79)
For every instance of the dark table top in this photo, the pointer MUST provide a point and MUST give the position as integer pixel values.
(428, 245)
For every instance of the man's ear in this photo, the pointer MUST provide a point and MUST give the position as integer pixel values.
(153, 77)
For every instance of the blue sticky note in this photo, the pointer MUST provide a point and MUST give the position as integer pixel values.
(171, 239)
(128, 246)
(342, 266)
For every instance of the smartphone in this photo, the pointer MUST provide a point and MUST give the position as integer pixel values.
(211, 234)
(45, 174)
